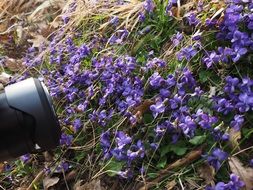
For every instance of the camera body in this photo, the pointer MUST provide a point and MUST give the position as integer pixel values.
(28, 122)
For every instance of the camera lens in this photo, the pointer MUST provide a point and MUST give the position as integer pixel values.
(28, 122)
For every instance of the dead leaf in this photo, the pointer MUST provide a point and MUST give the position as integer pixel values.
(43, 6)
(3, 26)
(212, 91)
(13, 64)
(234, 136)
(2, 166)
(141, 109)
(71, 175)
(37, 40)
(191, 184)
(207, 173)
(189, 158)
(93, 185)
(19, 32)
(144, 106)
(5, 78)
(48, 156)
(4, 38)
(49, 182)
(171, 184)
(245, 173)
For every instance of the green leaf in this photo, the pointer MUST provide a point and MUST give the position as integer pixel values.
(162, 162)
(79, 156)
(165, 150)
(152, 175)
(204, 75)
(197, 140)
(147, 118)
(247, 132)
(179, 150)
(113, 167)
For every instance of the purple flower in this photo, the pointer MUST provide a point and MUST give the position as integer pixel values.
(224, 106)
(188, 126)
(125, 174)
(231, 84)
(175, 101)
(240, 38)
(211, 59)
(154, 146)
(251, 163)
(65, 19)
(217, 156)
(192, 19)
(62, 166)
(136, 151)
(225, 137)
(156, 80)
(157, 108)
(164, 93)
(114, 20)
(168, 8)
(25, 158)
(155, 63)
(187, 53)
(200, 6)
(206, 121)
(245, 102)
(118, 37)
(77, 124)
(149, 6)
(122, 139)
(141, 17)
(177, 38)
(82, 106)
(66, 139)
(250, 24)
(238, 53)
(160, 130)
(237, 122)
(211, 23)
(235, 183)
(105, 139)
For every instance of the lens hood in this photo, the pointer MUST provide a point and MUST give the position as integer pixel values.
(28, 122)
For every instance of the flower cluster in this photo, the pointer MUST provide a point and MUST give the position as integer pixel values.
(122, 150)
(105, 87)
(237, 99)
(236, 30)
(234, 184)
(174, 94)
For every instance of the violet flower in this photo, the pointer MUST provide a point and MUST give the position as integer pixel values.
(177, 38)
(187, 53)
(217, 156)
(157, 108)
(237, 122)
(149, 6)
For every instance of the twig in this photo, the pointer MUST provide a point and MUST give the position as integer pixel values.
(189, 158)
(241, 151)
(36, 179)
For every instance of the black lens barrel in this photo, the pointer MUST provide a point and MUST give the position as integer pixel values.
(28, 122)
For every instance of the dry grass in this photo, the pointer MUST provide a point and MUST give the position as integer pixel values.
(27, 13)
(87, 10)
